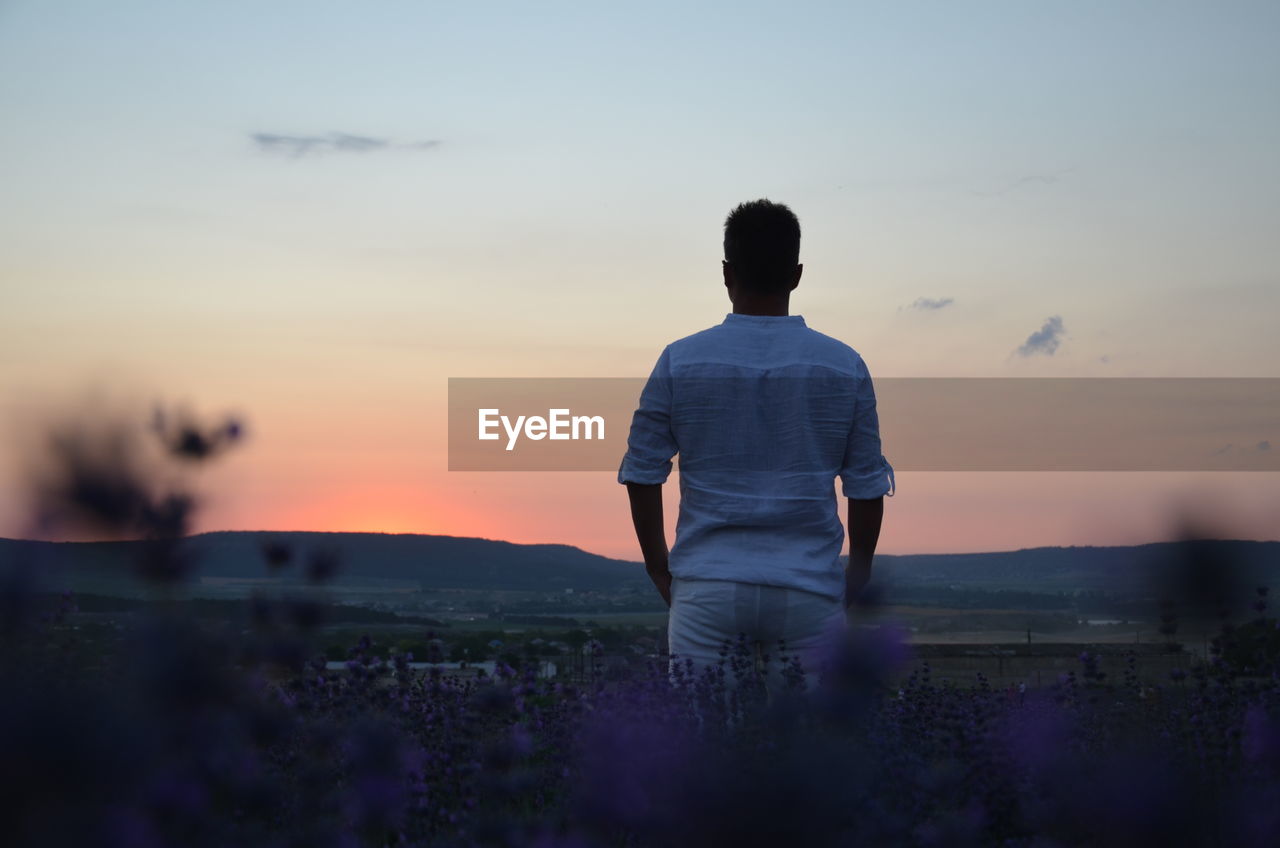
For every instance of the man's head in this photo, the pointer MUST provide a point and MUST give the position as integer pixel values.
(761, 249)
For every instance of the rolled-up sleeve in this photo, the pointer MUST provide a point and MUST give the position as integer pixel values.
(651, 445)
(866, 474)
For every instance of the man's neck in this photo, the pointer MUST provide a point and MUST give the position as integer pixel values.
(762, 306)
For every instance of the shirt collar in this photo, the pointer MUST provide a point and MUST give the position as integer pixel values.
(765, 320)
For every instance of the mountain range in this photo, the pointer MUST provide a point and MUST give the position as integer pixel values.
(452, 562)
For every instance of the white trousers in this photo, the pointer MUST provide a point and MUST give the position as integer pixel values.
(704, 613)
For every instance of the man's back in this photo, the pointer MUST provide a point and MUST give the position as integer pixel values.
(764, 413)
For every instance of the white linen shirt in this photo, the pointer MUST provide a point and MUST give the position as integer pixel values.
(765, 414)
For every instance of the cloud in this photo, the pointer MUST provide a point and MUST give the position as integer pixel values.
(296, 146)
(1261, 447)
(1044, 340)
(931, 304)
(1030, 179)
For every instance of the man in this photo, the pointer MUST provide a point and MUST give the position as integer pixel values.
(765, 415)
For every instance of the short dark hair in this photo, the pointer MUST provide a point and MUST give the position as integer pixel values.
(762, 243)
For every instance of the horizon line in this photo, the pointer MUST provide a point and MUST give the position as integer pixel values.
(619, 559)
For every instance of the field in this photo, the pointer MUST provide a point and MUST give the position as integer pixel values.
(208, 734)
(311, 712)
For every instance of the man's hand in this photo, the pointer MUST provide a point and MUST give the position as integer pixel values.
(865, 517)
(662, 580)
(646, 515)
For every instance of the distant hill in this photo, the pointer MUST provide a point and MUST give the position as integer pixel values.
(435, 562)
(452, 562)
(1126, 569)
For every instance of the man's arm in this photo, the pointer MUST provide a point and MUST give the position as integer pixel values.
(650, 448)
(865, 517)
(866, 478)
(646, 515)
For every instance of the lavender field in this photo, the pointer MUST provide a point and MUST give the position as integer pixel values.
(183, 735)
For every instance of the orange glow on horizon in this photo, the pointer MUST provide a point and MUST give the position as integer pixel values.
(376, 509)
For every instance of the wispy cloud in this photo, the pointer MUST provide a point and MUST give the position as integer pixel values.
(295, 146)
(1044, 340)
(1047, 178)
(930, 304)
(1261, 447)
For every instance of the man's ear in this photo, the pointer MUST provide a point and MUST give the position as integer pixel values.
(730, 281)
(795, 282)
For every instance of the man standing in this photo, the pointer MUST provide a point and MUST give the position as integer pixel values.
(765, 415)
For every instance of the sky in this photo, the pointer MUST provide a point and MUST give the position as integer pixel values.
(311, 215)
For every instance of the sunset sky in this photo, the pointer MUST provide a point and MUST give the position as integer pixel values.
(311, 215)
